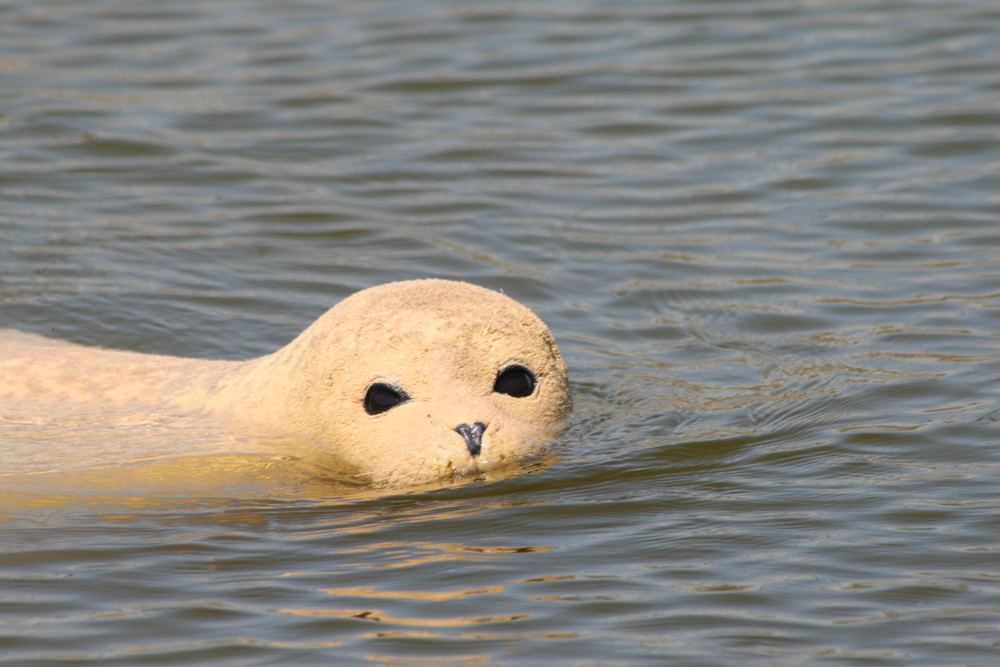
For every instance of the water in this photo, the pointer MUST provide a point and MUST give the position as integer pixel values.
(765, 234)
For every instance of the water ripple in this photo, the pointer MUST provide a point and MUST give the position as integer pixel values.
(763, 235)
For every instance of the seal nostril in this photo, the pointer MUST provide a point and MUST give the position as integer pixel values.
(473, 436)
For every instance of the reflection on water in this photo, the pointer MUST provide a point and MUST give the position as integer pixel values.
(764, 235)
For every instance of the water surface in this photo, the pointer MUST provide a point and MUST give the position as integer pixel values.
(764, 233)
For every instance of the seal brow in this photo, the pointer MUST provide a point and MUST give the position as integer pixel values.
(489, 323)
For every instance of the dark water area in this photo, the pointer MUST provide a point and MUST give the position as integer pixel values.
(764, 233)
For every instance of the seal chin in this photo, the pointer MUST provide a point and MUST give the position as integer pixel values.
(473, 436)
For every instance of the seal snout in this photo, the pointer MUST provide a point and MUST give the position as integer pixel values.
(473, 436)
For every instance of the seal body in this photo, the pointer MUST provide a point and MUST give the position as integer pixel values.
(402, 383)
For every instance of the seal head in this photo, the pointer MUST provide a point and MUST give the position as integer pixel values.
(414, 381)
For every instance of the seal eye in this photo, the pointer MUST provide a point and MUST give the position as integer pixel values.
(516, 381)
(382, 397)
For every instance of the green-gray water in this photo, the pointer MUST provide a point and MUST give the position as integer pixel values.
(765, 233)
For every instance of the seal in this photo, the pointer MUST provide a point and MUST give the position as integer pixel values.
(402, 383)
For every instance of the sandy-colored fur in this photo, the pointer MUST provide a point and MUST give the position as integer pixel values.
(442, 341)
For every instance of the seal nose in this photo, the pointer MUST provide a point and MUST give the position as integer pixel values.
(473, 436)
